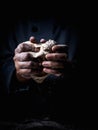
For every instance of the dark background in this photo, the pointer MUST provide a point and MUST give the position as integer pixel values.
(81, 16)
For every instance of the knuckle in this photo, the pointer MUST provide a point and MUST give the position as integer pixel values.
(30, 63)
(22, 46)
(29, 71)
(15, 50)
(55, 56)
(27, 55)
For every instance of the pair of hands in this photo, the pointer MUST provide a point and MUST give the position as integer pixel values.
(26, 65)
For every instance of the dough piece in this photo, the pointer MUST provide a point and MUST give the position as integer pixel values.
(44, 48)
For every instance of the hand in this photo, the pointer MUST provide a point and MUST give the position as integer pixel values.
(56, 60)
(25, 64)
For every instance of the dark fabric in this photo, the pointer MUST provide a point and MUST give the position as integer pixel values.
(34, 125)
(56, 97)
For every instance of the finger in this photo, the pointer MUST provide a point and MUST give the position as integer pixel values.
(28, 72)
(56, 56)
(42, 40)
(24, 56)
(27, 65)
(24, 47)
(60, 48)
(32, 39)
(52, 71)
(24, 72)
(26, 76)
(55, 65)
